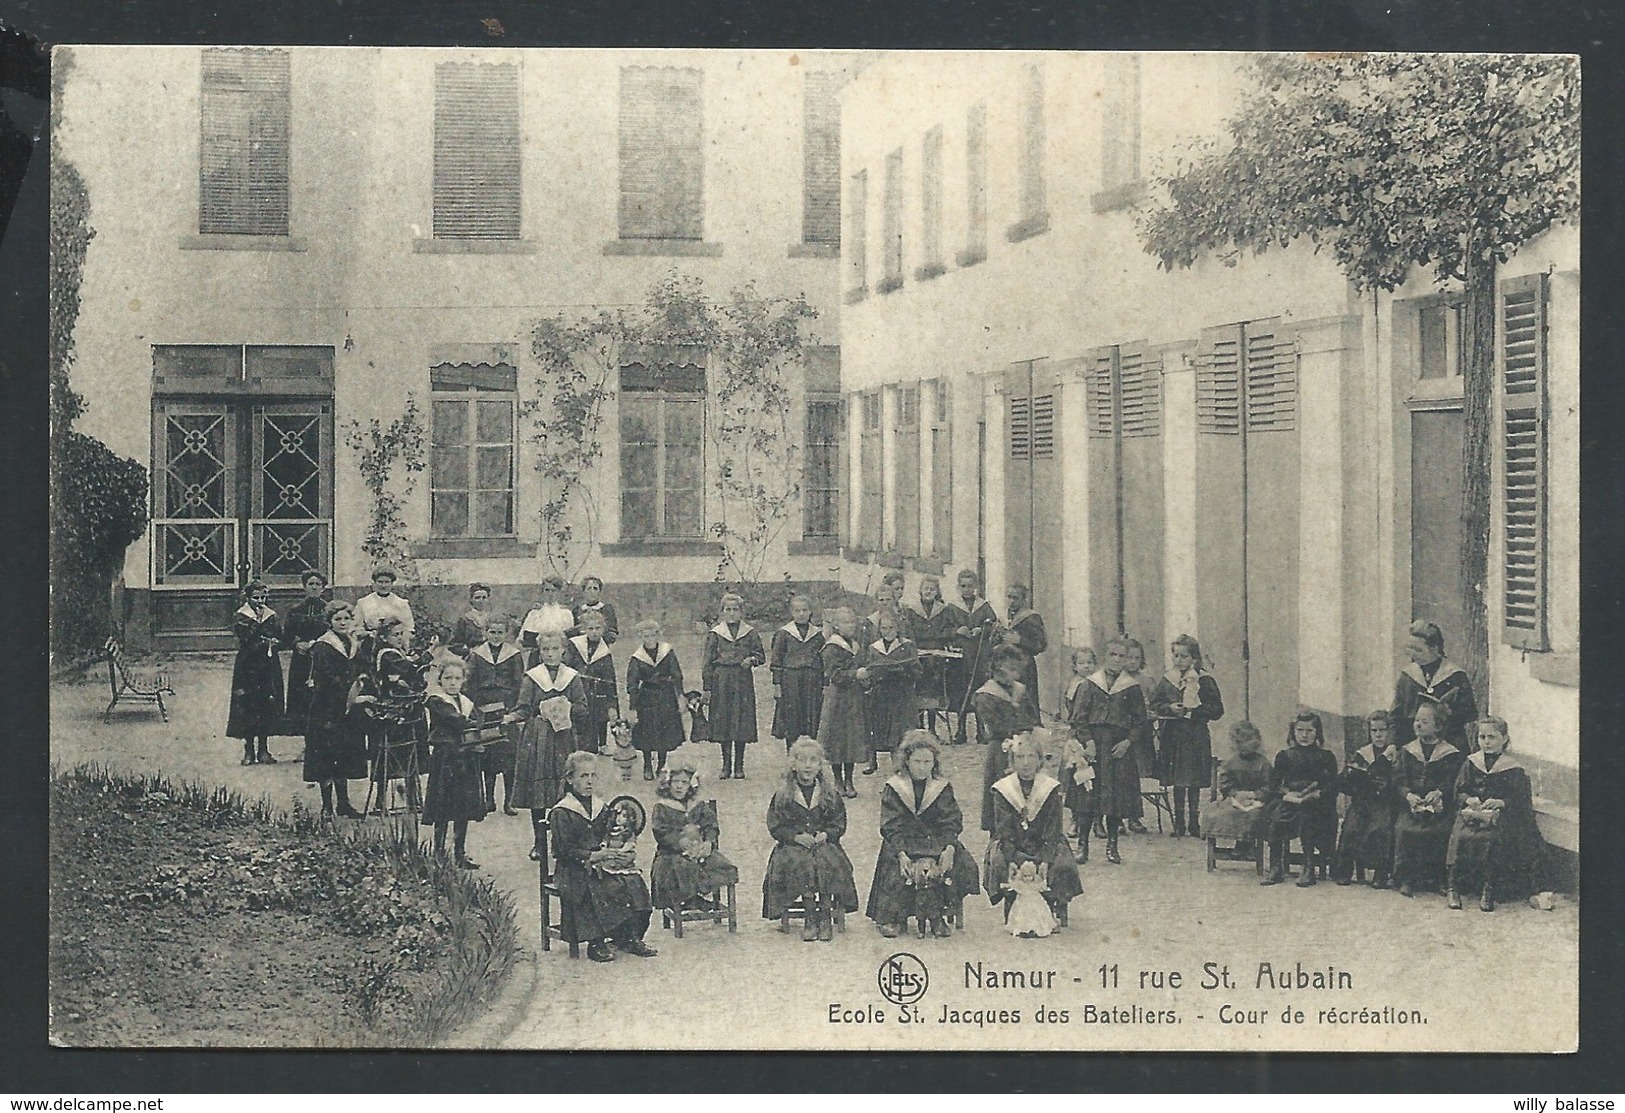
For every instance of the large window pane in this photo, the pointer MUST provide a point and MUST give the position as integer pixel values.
(449, 467)
(683, 514)
(638, 513)
(494, 468)
(449, 514)
(495, 421)
(493, 513)
(450, 422)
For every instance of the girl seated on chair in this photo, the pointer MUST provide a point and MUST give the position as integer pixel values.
(1027, 828)
(1302, 800)
(807, 817)
(1495, 843)
(1368, 823)
(923, 870)
(688, 867)
(1244, 780)
(603, 900)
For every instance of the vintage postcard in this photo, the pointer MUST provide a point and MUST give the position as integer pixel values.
(637, 549)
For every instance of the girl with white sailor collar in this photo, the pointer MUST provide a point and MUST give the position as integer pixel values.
(923, 869)
(931, 627)
(604, 899)
(1431, 677)
(843, 727)
(1027, 827)
(893, 664)
(732, 650)
(654, 693)
(256, 676)
(807, 819)
(589, 654)
(1425, 783)
(335, 750)
(1186, 700)
(798, 679)
(553, 707)
(1112, 714)
(1495, 843)
(456, 793)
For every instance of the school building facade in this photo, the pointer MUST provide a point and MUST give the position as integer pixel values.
(1254, 454)
(289, 243)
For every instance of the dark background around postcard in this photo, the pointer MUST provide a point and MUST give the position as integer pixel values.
(28, 1065)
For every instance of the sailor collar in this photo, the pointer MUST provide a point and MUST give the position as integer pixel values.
(1021, 616)
(994, 688)
(790, 628)
(976, 604)
(642, 654)
(483, 651)
(1122, 684)
(569, 802)
(1368, 754)
(936, 608)
(558, 682)
(1029, 806)
(1177, 678)
(1447, 668)
(1441, 750)
(904, 787)
(258, 614)
(462, 703)
(1503, 764)
(1072, 686)
(840, 640)
(817, 795)
(880, 646)
(721, 631)
(580, 642)
(338, 643)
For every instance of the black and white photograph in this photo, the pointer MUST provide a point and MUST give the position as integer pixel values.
(796, 550)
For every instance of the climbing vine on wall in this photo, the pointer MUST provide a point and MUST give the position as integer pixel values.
(389, 457)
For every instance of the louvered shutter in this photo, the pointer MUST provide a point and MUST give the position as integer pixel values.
(476, 151)
(1099, 384)
(1272, 377)
(1043, 416)
(1218, 381)
(1021, 427)
(1140, 374)
(661, 154)
(1523, 439)
(243, 155)
(821, 158)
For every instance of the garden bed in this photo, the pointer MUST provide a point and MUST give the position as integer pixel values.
(182, 916)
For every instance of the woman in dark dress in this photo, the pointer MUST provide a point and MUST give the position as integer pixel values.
(733, 650)
(1302, 801)
(654, 695)
(1495, 843)
(923, 869)
(1185, 701)
(798, 679)
(256, 676)
(306, 621)
(1432, 678)
(335, 751)
(1027, 827)
(604, 901)
(688, 866)
(807, 817)
(470, 628)
(1426, 786)
(456, 793)
(1368, 822)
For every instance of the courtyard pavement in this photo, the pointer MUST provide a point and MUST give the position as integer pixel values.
(1419, 977)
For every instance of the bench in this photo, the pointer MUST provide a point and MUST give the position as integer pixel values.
(130, 687)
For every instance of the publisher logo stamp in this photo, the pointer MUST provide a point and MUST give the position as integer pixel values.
(903, 979)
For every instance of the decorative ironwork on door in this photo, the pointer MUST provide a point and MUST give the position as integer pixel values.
(195, 537)
(291, 528)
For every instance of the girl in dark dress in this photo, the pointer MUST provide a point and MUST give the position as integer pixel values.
(1185, 701)
(589, 654)
(931, 628)
(654, 694)
(1368, 822)
(1081, 790)
(974, 637)
(1244, 782)
(1302, 800)
(549, 736)
(604, 901)
(335, 751)
(1432, 678)
(456, 793)
(688, 866)
(893, 665)
(843, 727)
(256, 676)
(1004, 709)
(798, 681)
(1426, 786)
(807, 818)
(1027, 827)
(496, 671)
(923, 869)
(306, 621)
(1495, 843)
(1109, 710)
(470, 628)
(592, 600)
(1024, 629)
(732, 651)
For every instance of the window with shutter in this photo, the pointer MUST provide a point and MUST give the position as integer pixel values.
(1247, 370)
(662, 154)
(1120, 131)
(1099, 386)
(942, 472)
(1141, 378)
(1218, 381)
(856, 246)
(906, 470)
(1272, 377)
(471, 474)
(1523, 440)
(821, 474)
(244, 152)
(930, 206)
(1043, 417)
(1021, 428)
(476, 151)
(1030, 167)
(821, 158)
(975, 185)
(873, 494)
(892, 224)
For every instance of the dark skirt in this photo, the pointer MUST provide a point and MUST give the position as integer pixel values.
(659, 729)
(256, 695)
(1501, 857)
(539, 768)
(1368, 834)
(842, 726)
(892, 713)
(1223, 820)
(892, 899)
(801, 698)
(1314, 822)
(1187, 754)
(1420, 843)
(796, 871)
(596, 905)
(1117, 780)
(299, 691)
(335, 753)
(677, 877)
(1064, 882)
(503, 756)
(733, 704)
(456, 789)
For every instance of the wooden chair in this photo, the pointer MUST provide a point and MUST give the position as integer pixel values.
(1155, 793)
(1231, 853)
(549, 892)
(796, 910)
(722, 904)
(130, 687)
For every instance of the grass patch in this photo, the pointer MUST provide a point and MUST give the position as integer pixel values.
(188, 915)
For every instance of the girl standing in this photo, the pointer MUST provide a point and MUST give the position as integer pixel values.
(654, 692)
(553, 708)
(923, 870)
(1080, 791)
(588, 653)
(842, 724)
(1494, 844)
(893, 666)
(456, 793)
(931, 629)
(732, 650)
(688, 866)
(798, 681)
(1004, 709)
(256, 676)
(592, 600)
(306, 622)
(496, 670)
(335, 751)
(1110, 711)
(973, 637)
(807, 818)
(1432, 678)
(1426, 784)
(1185, 701)
(1302, 801)
(1368, 824)
(1024, 629)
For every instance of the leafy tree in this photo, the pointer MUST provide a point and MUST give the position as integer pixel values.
(1391, 163)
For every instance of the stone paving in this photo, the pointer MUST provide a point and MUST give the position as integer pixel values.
(1425, 977)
